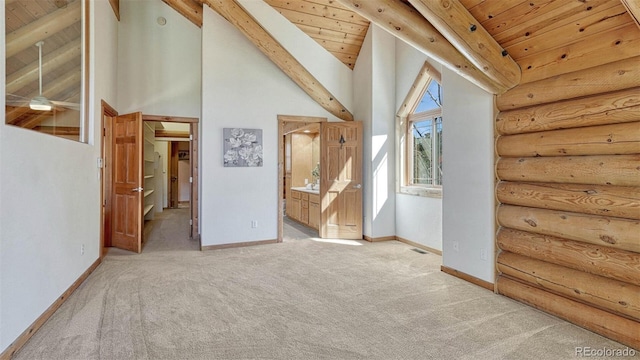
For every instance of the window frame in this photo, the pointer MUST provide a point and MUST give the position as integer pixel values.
(431, 115)
(405, 118)
(64, 129)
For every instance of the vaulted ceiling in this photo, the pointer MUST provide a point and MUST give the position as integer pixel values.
(543, 37)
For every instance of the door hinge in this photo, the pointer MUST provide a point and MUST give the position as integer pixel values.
(190, 221)
(191, 179)
(190, 137)
(104, 132)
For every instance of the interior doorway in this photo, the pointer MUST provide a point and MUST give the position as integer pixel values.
(298, 175)
(158, 132)
(177, 143)
(179, 164)
(327, 193)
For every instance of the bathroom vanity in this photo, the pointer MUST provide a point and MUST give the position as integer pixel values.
(303, 206)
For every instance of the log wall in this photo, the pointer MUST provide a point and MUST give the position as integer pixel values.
(568, 192)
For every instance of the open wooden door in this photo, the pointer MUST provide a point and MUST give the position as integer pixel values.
(341, 180)
(127, 182)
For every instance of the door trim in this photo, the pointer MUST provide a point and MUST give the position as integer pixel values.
(194, 151)
(105, 188)
(282, 121)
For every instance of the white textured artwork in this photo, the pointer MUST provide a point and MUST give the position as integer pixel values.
(242, 147)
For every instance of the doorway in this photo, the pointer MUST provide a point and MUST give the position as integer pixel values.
(334, 205)
(153, 169)
(298, 184)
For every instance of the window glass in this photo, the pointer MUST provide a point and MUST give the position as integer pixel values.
(44, 66)
(425, 132)
(432, 98)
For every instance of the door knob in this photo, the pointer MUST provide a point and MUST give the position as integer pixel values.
(138, 189)
(357, 186)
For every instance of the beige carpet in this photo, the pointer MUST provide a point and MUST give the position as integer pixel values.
(302, 299)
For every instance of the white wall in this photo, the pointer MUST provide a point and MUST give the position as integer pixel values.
(242, 88)
(50, 197)
(374, 91)
(418, 218)
(363, 111)
(326, 68)
(159, 68)
(468, 180)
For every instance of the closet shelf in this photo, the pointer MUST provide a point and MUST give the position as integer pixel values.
(147, 209)
(148, 192)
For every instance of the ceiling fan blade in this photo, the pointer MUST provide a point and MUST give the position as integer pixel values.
(66, 104)
(15, 97)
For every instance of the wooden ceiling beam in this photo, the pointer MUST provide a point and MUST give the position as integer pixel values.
(42, 28)
(190, 9)
(471, 39)
(52, 61)
(633, 8)
(233, 12)
(404, 22)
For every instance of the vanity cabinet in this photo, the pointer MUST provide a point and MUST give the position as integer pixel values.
(293, 205)
(304, 207)
(314, 211)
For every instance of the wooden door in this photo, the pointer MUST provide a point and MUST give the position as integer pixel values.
(127, 182)
(341, 180)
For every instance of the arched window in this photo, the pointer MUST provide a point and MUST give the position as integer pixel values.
(424, 138)
(420, 136)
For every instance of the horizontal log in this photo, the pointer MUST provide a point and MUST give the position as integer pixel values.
(609, 108)
(616, 139)
(599, 260)
(618, 170)
(615, 327)
(607, 294)
(618, 201)
(619, 75)
(599, 230)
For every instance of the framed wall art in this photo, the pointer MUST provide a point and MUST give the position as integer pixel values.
(242, 147)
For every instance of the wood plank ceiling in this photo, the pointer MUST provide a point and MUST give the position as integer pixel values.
(338, 30)
(551, 37)
(545, 37)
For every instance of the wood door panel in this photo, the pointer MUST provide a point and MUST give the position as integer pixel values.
(341, 180)
(127, 179)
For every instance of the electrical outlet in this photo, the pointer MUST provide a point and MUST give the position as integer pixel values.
(82, 249)
(483, 254)
(456, 248)
(254, 224)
